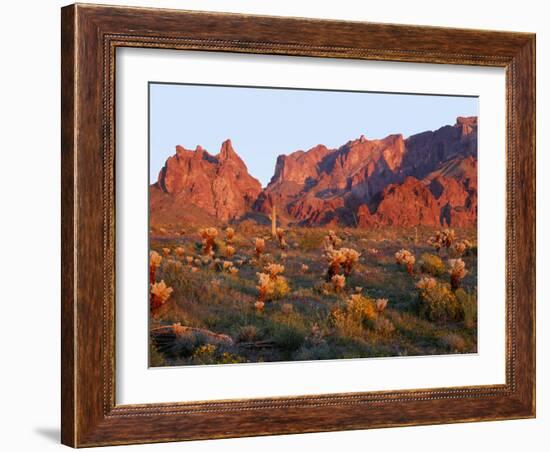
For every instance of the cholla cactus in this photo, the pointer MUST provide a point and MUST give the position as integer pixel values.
(335, 259)
(266, 287)
(160, 293)
(194, 269)
(443, 238)
(208, 236)
(332, 240)
(271, 284)
(227, 265)
(351, 257)
(426, 283)
(234, 271)
(381, 304)
(459, 247)
(338, 282)
(154, 262)
(179, 251)
(304, 268)
(229, 251)
(259, 244)
(457, 270)
(166, 251)
(281, 238)
(259, 305)
(406, 258)
(229, 235)
(448, 237)
(345, 257)
(189, 259)
(273, 270)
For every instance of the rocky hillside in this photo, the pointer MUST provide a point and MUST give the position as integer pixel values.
(429, 179)
(219, 185)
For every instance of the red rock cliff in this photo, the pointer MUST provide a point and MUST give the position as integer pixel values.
(349, 184)
(218, 184)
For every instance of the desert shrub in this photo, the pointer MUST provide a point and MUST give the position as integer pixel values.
(454, 343)
(185, 345)
(310, 352)
(438, 303)
(311, 240)
(468, 307)
(271, 285)
(281, 289)
(350, 321)
(432, 264)
(156, 358)
(204, 354)
(361, 307)
(187, 341)
(384, 326)
(247, 333)
(230, 358)
(288, 337)
(211, 354)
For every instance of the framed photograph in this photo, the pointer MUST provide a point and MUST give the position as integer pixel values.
(281, 225)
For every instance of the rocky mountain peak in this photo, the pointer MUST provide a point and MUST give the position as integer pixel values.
(429, 178)
(220, 184)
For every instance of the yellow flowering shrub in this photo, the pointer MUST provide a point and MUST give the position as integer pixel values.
(432, 264)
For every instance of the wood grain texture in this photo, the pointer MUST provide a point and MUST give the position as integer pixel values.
(90, 36)
(67, 225)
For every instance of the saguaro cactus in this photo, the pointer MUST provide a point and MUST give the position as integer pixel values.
(273, 216)
(274, 221)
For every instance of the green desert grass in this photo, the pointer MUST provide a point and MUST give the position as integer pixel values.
(300, 325)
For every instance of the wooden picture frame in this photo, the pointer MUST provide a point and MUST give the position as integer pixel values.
(90, 36)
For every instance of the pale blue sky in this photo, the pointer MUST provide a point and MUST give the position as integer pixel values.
(263, 123)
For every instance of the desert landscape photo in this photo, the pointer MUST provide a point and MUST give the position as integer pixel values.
(292, 225)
